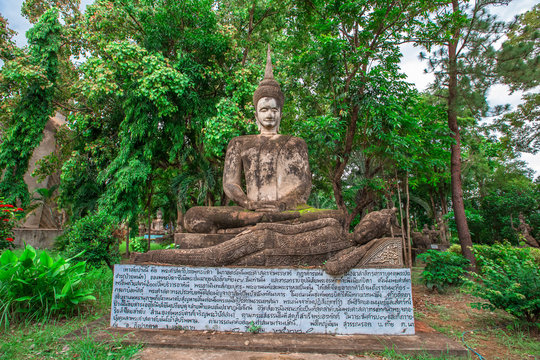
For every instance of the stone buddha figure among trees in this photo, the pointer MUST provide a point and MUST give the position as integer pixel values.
(271, 224)
(274, 167)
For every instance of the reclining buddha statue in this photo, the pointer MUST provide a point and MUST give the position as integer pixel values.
(271, 224)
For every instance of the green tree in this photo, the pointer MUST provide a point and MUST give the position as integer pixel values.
(149, 84)
(463, 34)
(342, 64)
(518, 63)
(28, 83)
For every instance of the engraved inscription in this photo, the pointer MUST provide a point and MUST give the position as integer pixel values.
(364, 301)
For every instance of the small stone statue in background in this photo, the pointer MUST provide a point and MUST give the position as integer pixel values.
(157, 224)
(525, 230)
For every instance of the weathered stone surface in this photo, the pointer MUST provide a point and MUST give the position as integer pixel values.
(206, 219)
(374, 225)
(525, 231)
(195, 241)
(384, 252)
(419, 240)
(319, 237)
(38, 238)
(45, 216)
(365, 301)
(276, 171)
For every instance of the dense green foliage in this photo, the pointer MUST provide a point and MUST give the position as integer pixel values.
(139, 244)
(91, 239)
(509, 279)
(443, 269)
(31, 80)
(36, 286)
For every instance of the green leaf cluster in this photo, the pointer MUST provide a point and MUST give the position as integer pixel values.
(91, 239)
(509, 279)
(28, 84)
(36, 286)
(443, 269)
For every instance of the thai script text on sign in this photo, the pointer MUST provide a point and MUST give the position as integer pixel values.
(364, 301)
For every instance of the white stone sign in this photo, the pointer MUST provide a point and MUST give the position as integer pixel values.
(364, 301)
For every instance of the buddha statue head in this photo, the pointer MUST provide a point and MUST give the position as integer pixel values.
(268, 101)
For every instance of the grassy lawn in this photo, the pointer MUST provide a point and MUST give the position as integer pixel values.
(44, 338)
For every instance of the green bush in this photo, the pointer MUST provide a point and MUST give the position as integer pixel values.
(455, 248)
(509, 279)
(139, 244)
(91, 239)
(33, 286)
(499, 252)
(443, 269)
(535, 253)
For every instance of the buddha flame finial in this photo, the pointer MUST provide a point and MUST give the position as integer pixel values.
(268, 72)
(269, 87)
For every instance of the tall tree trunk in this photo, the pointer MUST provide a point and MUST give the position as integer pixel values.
(149, 228)
(179, 220)
(433, 208)
(407, 207)
(250, 30)
(403, 243)
(127, 241)
(148, 208)
(464, 234)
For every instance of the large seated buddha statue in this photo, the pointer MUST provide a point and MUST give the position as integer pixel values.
(271, 224)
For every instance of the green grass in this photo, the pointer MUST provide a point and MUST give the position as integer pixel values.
(518, 339)
(391, 354)
(444, 313)
(416, 275)
(44, 339)
(153, 246)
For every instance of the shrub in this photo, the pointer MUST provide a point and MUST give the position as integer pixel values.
(443, 269)
(499, 252)
(455, 248)
(139, 244)
(91, 239)
(509, 279)
(9, 216)
(535, 253)
(39, 286)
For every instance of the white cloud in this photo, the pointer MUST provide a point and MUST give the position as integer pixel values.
(11, 10)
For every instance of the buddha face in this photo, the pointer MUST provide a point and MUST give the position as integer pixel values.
(268, 115)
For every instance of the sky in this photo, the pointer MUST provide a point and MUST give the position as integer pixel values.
(410, 64)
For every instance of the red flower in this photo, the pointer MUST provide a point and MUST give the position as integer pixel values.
(5, 210)
(9, 205)
(9, 239)
(18, 209)
(6, 219)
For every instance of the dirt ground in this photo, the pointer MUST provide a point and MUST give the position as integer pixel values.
(484, 331)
